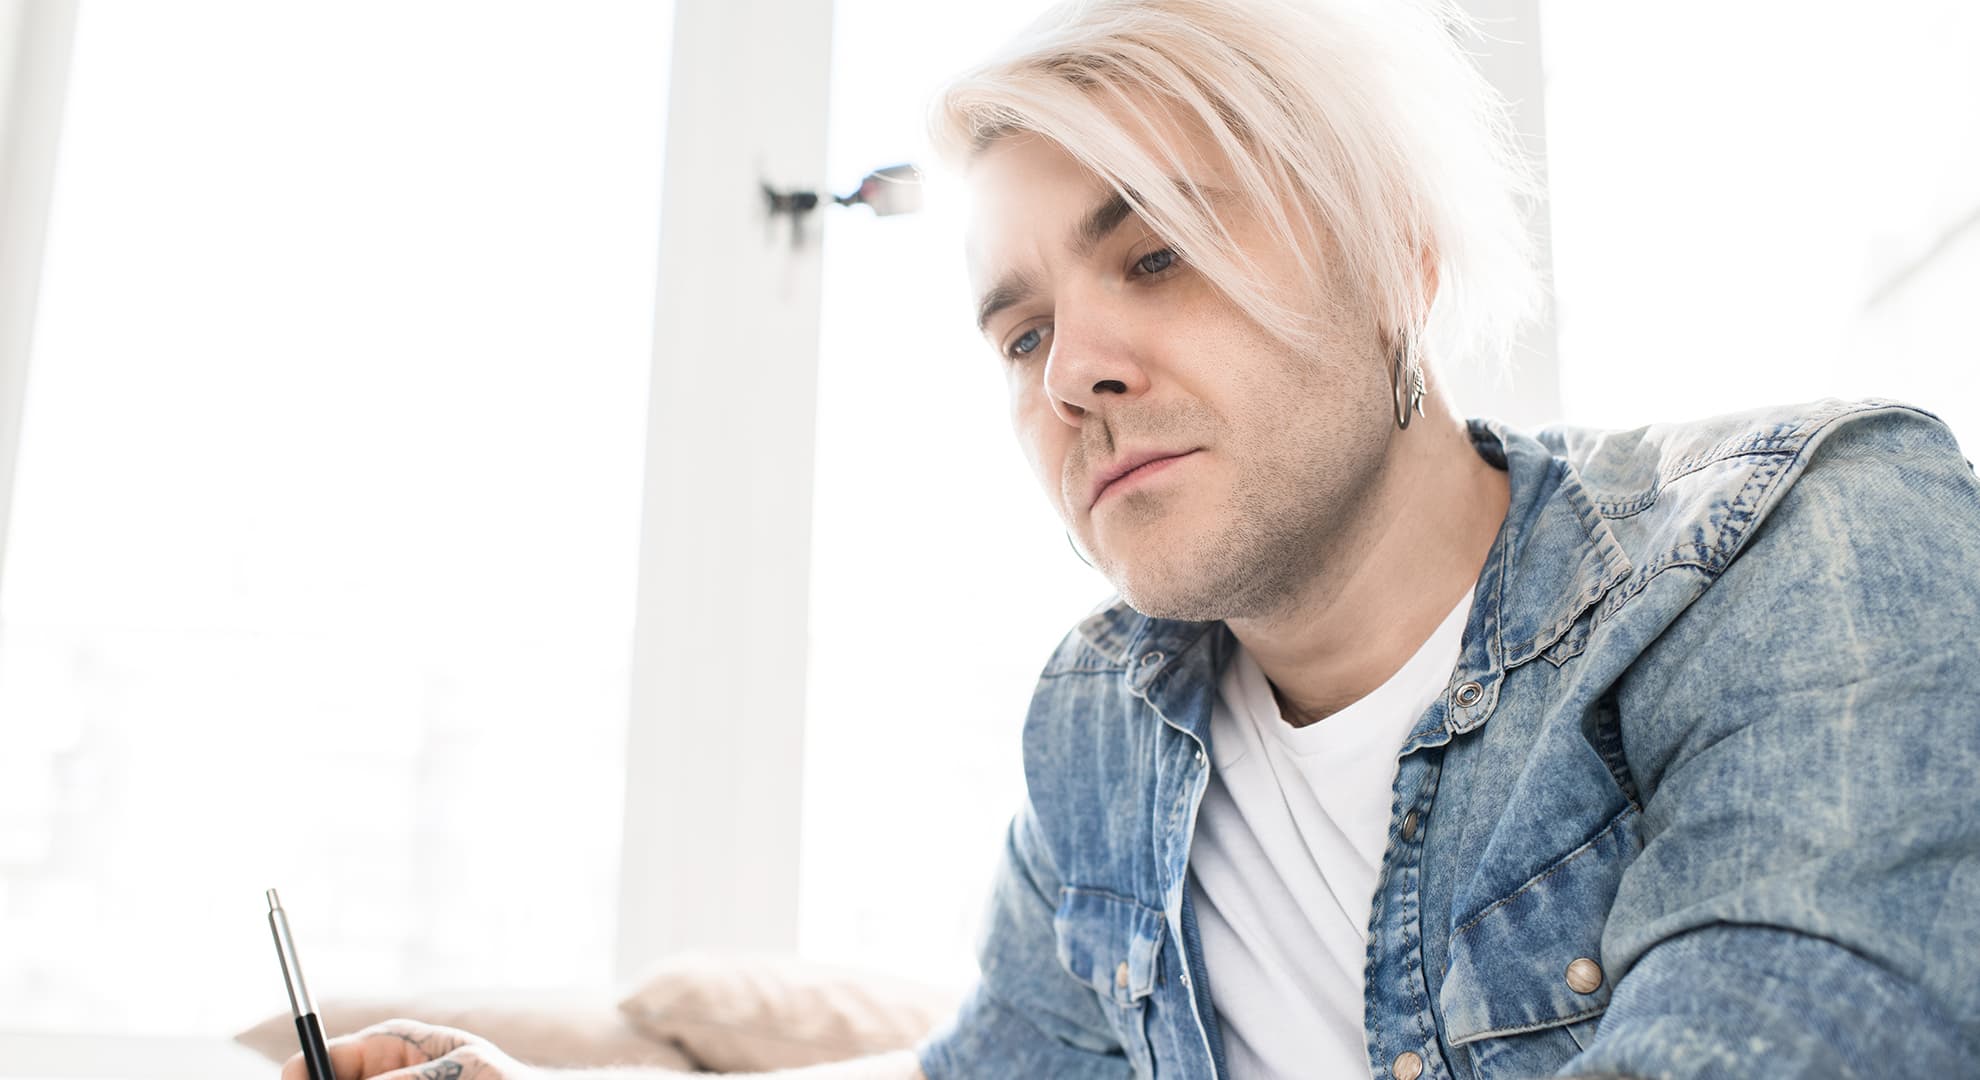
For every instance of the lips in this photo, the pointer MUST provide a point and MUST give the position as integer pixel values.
(1126, 464)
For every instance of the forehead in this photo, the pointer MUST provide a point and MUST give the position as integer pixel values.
(1022, 189)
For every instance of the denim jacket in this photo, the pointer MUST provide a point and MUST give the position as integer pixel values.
(1699, 798)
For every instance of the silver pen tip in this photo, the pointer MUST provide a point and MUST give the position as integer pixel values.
(274, 902)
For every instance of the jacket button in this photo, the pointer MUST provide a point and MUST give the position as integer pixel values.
(1469, 693)
(1409, 826)
(1121, 975)
(1584, 976)
(1407, 1066)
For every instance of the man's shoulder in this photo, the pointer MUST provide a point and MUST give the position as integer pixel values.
(1621, 467)
(1694, 491)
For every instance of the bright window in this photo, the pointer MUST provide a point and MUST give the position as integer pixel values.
(322, 568)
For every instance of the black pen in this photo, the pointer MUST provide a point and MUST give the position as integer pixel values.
(308, 1028)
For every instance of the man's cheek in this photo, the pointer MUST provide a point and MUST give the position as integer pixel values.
(1043, 448)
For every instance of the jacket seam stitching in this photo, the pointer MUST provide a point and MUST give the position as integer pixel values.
(1616, 509)
(1538, 1025)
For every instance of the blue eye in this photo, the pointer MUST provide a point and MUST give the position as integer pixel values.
(1026, 343)
(1156, 261)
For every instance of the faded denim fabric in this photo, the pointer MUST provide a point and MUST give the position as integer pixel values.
(1713, 727)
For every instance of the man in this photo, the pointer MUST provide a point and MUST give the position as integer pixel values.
(1420, 747)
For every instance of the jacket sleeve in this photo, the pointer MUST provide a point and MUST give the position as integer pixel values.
(1807, 736)
(1026, 1016)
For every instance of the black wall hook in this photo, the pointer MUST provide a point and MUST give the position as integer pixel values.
(895, 189)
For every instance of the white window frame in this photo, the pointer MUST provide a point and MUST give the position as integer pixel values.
(36, 39)
(715, 737)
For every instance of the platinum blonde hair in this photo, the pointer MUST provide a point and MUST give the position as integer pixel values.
(1359, 123)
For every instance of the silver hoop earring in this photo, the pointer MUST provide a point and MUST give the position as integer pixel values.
(1407, 368)
(1075, 548)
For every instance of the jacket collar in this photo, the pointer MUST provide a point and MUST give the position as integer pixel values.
(1559, 556)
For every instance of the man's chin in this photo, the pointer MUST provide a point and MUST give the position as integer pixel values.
(1169, 592)
(1158, 604)
(1211, 582)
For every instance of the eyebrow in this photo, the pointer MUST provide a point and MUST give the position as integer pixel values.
(1097, 224)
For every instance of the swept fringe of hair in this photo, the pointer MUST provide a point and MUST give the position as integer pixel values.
(1360, 122)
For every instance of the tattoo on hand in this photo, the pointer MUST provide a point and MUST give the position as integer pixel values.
(430, 1046)
(441, 1070)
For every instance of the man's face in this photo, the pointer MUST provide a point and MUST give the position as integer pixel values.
(1118, 353)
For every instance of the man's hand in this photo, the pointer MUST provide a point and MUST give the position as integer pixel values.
(410, 1050)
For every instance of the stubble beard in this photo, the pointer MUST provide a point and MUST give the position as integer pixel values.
(1268, 543)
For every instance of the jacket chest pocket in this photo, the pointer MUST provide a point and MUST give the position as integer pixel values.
(1113, 946)
(1525, 984)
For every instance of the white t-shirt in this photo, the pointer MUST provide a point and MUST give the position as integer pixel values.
(1288, 845)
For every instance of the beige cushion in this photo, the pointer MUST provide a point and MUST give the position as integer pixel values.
(738, 1013)
(557, 1032)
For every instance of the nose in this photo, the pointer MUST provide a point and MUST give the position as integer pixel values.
(1093, 363)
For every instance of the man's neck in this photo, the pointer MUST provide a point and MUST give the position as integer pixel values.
(1393, 578)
